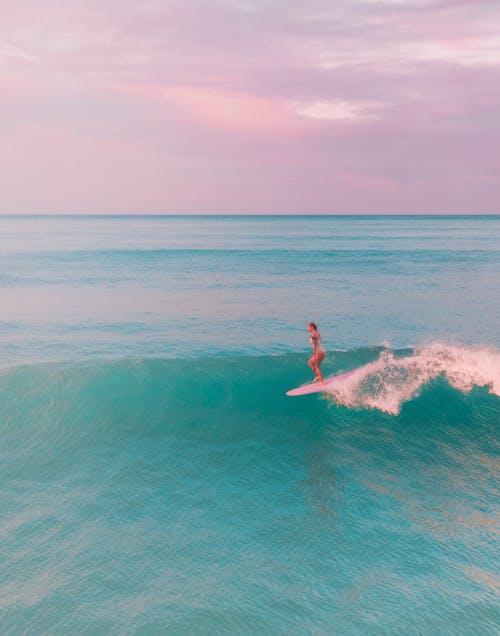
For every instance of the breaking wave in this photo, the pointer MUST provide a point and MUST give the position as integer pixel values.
(391, 380)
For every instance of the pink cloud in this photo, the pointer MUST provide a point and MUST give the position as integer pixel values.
(225, 109)
(267, 107)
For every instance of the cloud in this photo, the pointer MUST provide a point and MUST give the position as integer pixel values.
(336, 110)
(334, 104)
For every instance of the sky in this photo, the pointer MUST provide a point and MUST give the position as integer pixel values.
(249, 106)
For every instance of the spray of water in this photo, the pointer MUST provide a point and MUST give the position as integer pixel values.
(389, 381)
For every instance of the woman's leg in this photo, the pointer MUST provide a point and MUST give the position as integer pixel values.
(319, 359)
(312, 364)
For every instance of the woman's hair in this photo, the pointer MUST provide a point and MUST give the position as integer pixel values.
(313, 325)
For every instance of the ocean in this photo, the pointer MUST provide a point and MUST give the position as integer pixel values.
(154, 477)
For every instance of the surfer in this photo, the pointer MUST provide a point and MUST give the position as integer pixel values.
(318, 351)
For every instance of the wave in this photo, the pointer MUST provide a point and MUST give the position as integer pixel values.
(390, 381)
(151, 392)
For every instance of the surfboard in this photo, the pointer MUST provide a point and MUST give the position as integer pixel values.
(316, 387)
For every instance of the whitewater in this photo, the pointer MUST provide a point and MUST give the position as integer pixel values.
(390, 381)
(154, 476)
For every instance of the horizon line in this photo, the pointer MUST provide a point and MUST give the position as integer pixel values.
(247, 214)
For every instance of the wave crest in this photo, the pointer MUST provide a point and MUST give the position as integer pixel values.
(389, 381)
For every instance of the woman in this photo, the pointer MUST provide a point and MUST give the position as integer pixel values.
(318, 351)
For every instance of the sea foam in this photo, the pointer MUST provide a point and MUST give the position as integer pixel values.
(388, 382)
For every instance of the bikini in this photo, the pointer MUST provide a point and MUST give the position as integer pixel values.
(320, 348)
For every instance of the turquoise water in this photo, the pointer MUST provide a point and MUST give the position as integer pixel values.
(156, 480)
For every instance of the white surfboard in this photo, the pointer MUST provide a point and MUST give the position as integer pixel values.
(317, 387)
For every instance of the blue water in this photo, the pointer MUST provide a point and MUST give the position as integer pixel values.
(154, 478)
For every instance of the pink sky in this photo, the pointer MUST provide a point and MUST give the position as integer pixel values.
(249, 106)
